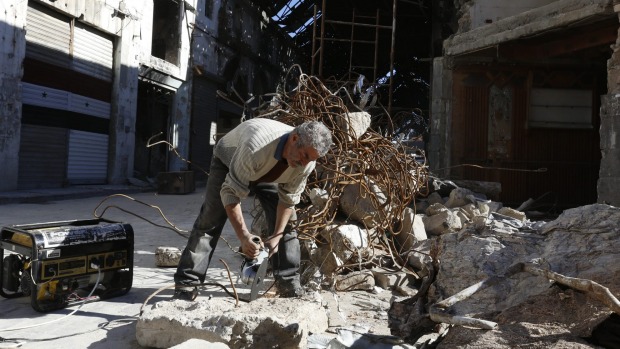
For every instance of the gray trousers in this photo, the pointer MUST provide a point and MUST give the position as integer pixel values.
(208, 226)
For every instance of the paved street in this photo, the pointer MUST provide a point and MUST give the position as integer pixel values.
(109, 323)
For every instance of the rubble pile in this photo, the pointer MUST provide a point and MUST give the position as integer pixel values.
(350, 216)
(371, 206)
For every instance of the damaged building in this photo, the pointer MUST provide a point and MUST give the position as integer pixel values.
(516, 94)
(525, 95)
(87, 86)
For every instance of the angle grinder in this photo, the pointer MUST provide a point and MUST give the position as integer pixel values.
(253, 271)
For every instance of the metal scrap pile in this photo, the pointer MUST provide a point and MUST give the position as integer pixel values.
(365, 181)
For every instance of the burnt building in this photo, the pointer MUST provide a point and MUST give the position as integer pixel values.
(524, 95)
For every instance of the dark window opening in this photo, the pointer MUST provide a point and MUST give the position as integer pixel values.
(166, 30)
(209, 9)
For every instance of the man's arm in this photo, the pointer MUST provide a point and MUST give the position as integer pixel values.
(283, 214)
(235, 215)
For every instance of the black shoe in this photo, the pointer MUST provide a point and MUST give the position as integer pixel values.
(185, 294)
(292, 292)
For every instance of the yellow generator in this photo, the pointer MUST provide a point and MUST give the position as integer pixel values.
(62, 263)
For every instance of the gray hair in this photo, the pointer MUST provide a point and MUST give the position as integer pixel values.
(314, 134)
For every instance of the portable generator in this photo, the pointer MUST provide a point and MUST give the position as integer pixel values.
(62, 263)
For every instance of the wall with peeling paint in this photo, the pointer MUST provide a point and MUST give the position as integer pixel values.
(12, 53)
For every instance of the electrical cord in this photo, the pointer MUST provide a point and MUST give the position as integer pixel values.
(16, 343)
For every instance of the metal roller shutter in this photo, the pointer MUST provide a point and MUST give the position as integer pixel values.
(48, 36)
(88, 158)
(78, 59)
(42, 157)
(93, 52)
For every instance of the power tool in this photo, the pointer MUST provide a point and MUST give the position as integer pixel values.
(253, 271)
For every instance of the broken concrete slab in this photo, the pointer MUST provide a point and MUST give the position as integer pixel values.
(459, 197)
(388, 279)
(195, 343)
(265, 322)
(355, 124)
(511, 212)
(360, 203)
(556, 318)
(578, 250)
(410, 229)
(346, 243)
(357, 280)
(444, 222)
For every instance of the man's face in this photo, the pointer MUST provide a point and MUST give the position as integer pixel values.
(299, 156)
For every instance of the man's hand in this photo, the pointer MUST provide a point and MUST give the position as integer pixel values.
(272, 243)
(250, 246)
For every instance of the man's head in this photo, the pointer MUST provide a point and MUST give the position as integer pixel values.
(308, 142)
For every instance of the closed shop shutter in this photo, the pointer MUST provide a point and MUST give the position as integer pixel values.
(204, 113)
(93, 52)
(42, 157)
(68, 75)
(88, 158)
(48, 36)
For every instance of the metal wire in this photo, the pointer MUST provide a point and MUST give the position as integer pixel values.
(386, 172)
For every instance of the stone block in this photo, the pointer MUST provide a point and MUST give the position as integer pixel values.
(410, 231)
(357, 280)
(354, 124)
(459, 197)
(510, 212)
(442, 223)
(357, 203)
(388, 280)
(167, 256)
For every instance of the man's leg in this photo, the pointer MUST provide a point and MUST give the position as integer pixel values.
(286, 261)
(205, 233)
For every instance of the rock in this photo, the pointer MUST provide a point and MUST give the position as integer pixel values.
(435, 209)
(387, 279)
(459, 197)
(357, 203)
(511, 212)
(583, 243)
(468, 258)
(441, 223)
(318, 197)
(420, 257)
(327, 261)
(357, 280)
(167, 256)
(264, 323)
(354, 124)
(200, 344)
(435, 198)
(549, 320)
(411, 229)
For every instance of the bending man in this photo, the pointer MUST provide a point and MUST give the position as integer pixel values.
(272, 160)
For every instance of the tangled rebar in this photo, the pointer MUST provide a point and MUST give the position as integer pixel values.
(384, 171)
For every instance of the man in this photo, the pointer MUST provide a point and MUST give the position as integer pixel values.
(273, 160)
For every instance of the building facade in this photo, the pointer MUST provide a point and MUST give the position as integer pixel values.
(525, 94)
(97, 92)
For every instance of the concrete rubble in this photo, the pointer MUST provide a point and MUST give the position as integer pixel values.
(458, 240)
(463, 261)
(265, 322)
